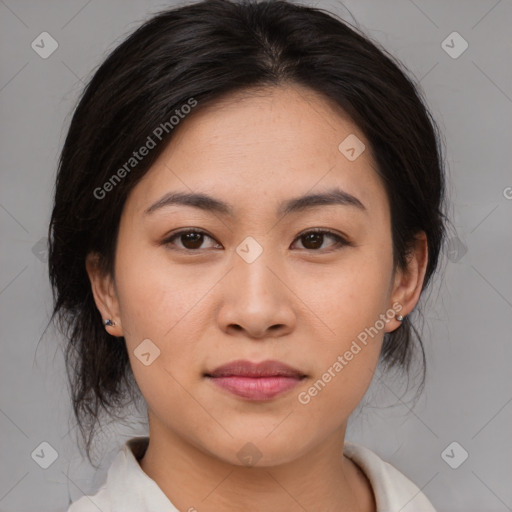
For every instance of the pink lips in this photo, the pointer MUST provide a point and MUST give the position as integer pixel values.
(256, 381)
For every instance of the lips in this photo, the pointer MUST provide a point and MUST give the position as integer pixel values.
(255, 381)
(269, 368)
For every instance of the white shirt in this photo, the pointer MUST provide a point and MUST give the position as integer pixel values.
(128, 489)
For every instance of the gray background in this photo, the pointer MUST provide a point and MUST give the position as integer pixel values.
(468, 394)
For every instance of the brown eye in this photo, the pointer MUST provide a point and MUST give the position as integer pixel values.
(313, 240)
(191, 240)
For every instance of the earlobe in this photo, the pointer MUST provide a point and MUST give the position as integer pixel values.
(408, 282)
(104, 294)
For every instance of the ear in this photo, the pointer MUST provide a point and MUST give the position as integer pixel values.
(408, 282)
(104, 293)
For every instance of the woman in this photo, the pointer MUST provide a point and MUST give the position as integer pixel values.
(249, 205)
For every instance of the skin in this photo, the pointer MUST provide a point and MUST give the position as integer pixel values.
(300, 303)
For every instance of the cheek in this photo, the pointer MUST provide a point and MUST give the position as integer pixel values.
(167, 305)
(348, 297)
(348, 311)
(334, 394)
(156, 297)
(347, 356)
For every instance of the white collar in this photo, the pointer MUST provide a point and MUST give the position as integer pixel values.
(128, 487)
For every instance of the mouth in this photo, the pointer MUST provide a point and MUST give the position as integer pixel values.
(255, 381)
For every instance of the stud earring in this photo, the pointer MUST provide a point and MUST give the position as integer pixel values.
(399, 318)
(109, 322)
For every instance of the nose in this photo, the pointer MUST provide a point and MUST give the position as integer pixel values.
(257, 301)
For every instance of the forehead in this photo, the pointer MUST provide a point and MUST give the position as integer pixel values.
(273, 125)
(256, 148)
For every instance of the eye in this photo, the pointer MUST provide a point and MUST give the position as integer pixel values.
(191, 239)
(313, 239)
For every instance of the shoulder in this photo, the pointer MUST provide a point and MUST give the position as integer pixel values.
(393, 491)
(98, 501)
(127, 487)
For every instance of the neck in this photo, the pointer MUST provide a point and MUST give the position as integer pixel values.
(193, 480)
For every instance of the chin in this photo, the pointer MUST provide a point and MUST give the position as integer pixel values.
(257, 450)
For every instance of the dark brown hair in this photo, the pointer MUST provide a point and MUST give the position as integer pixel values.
(205, 51)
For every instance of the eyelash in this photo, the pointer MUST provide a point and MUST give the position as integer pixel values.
(340, 241)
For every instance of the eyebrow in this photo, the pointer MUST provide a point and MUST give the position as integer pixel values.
(205, 202)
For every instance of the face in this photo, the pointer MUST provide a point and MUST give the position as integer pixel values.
(197, 287)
